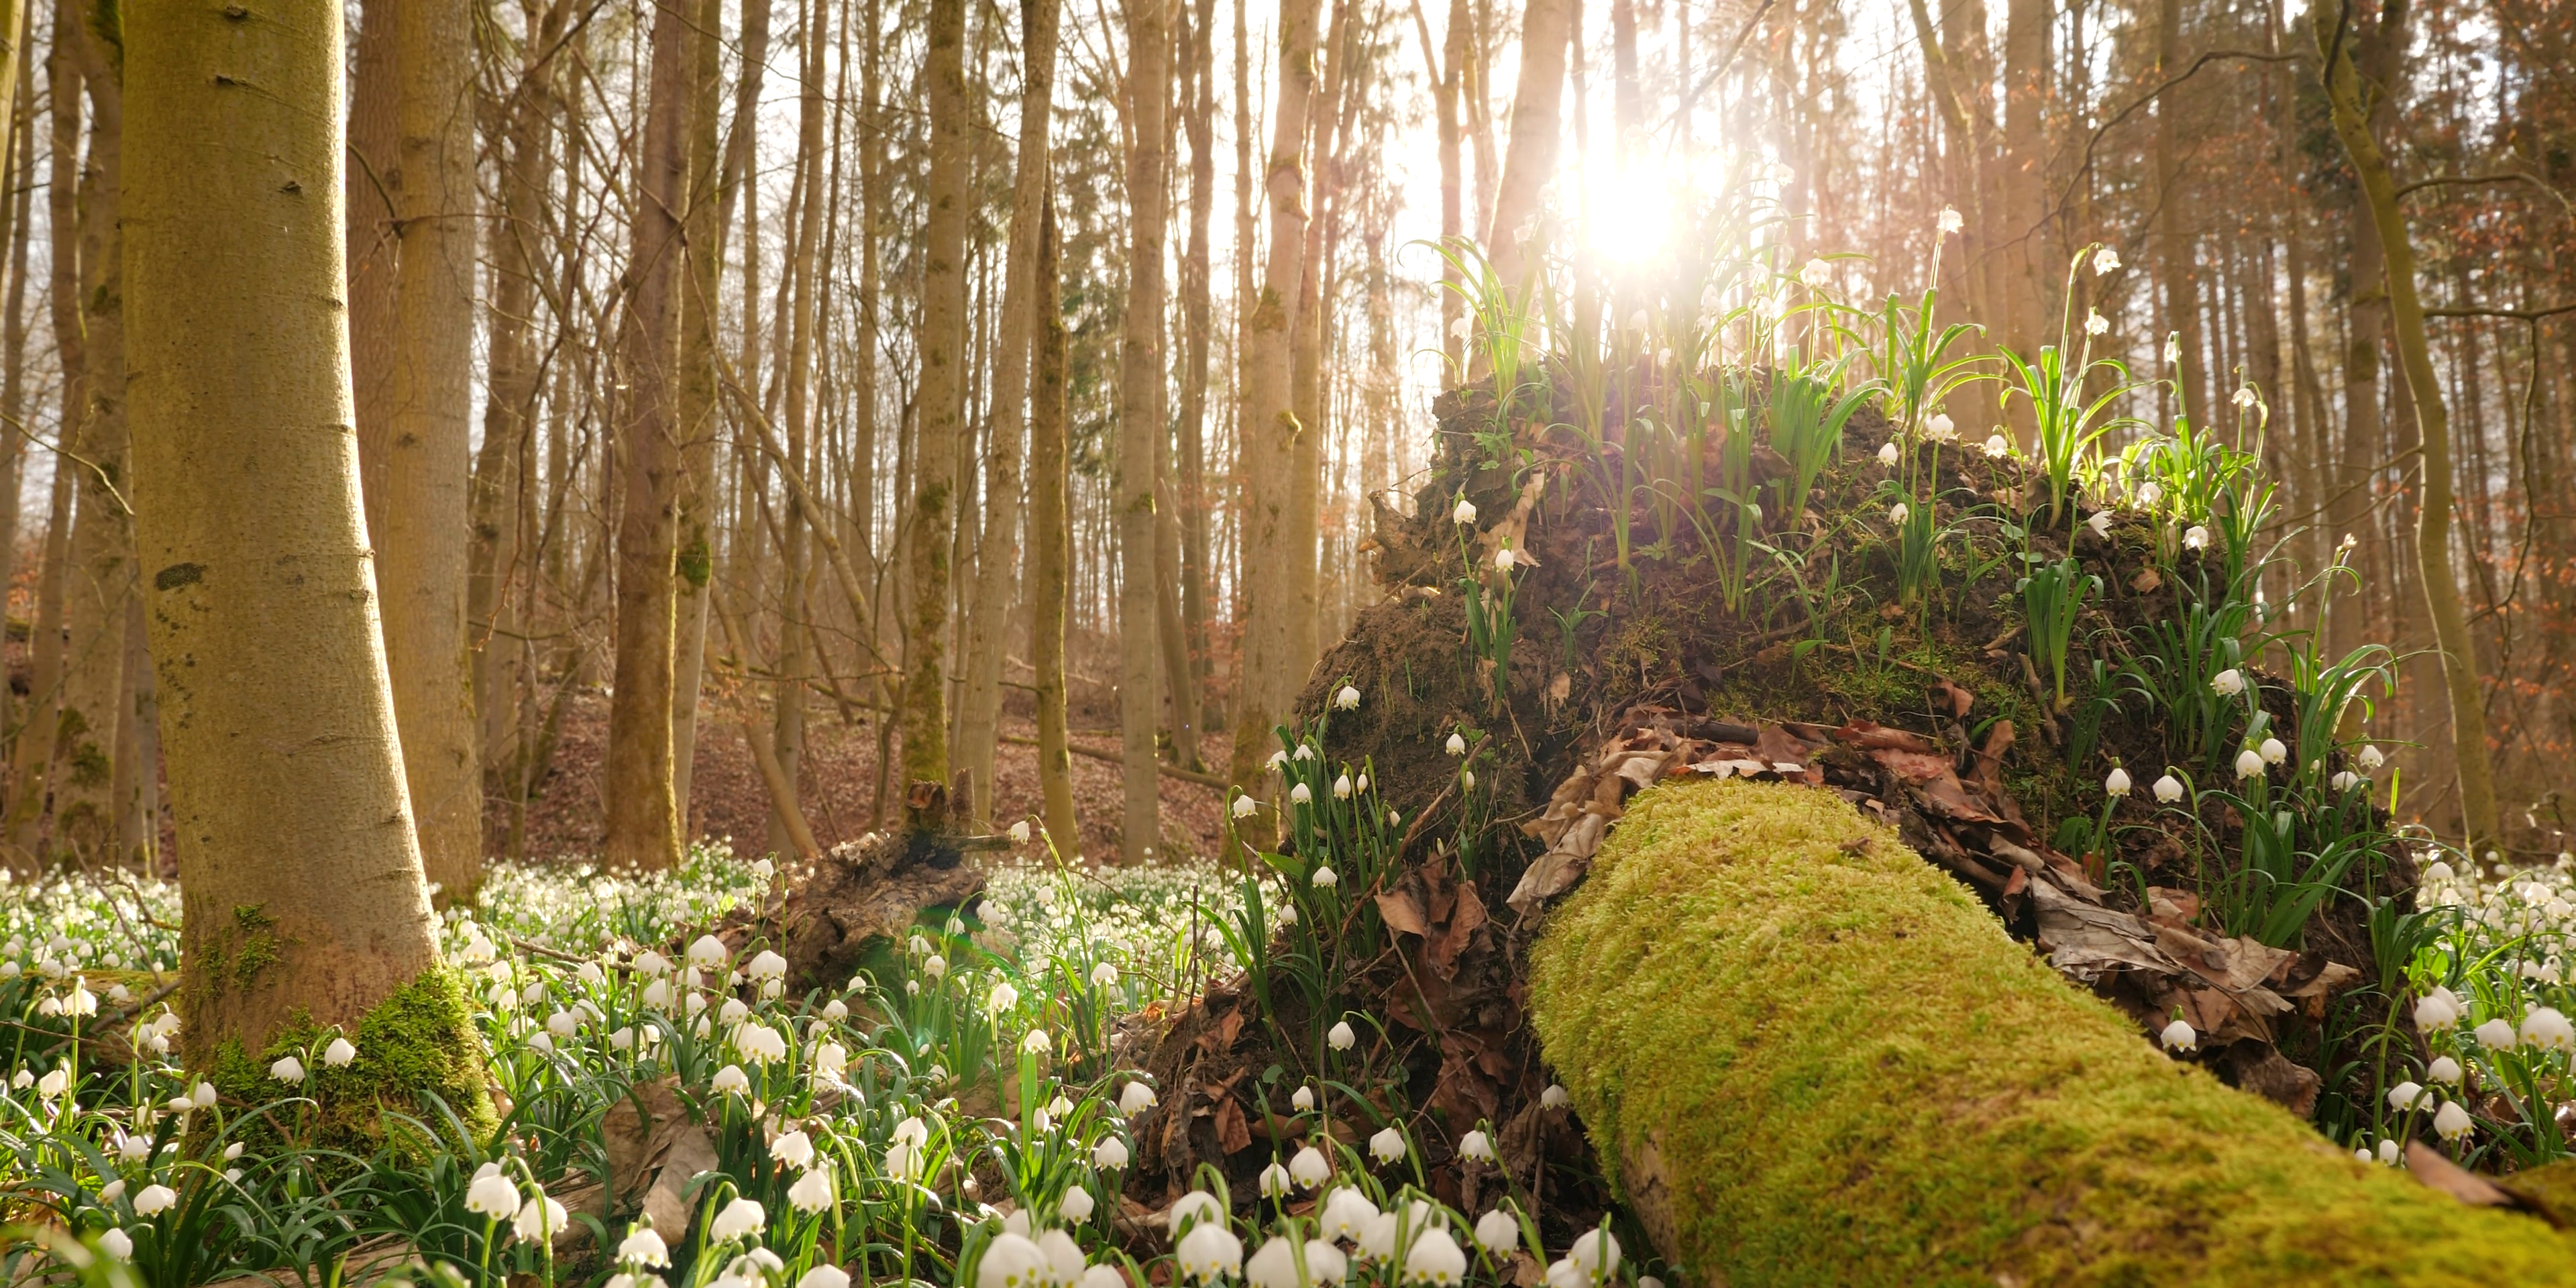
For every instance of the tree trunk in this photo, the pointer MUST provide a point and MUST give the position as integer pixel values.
(988, 620)
(2177, 258)
(943, 393)
(306, 905)
(799, 517)
(1051, 538)
(1197, 318)
(1547, 29)
(1653, 991)
(101, 571)
(2348, 98)
(2023, 247)
(643, 818)
(1140, 424)
(1266, 428)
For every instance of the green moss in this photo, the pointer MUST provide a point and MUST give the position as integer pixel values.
(1853, 1076)
(416, 1043)
(254, 947)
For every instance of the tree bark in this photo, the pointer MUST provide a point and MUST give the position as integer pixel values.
(800, 519)
(988, 620)
(2349, 99)
(1050, 567)
(1140, 423)
(2024, 249)
(1547, 29)
(38, 755)
(305, 899)
(943, 393)
(643, 818)
(1267, 427)
(101, 570)
(1197, 318)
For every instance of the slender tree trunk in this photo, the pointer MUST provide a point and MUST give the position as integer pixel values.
(2023, 246)
(798, 517)
(1140, 423)
(988, 619)
(643, 817)
(943, 393)
(1547, 30)
(37, 755)
(137, 789)
(2177, 256)
(1267, 427)
(15, 206)
(1051, 539)
(2349, 98)
(304, 889)
(102, 553)
(1196, 321)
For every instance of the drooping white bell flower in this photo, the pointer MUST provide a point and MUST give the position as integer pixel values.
(812, 1192)
(1465, 511)
(542, 1218)
(2451, 1122)
(1245, 806)
(1898, 513)
(2116, 783)
(1997, 447)
(1346, 698)
(795, 1149)
(1342, 1037)
(1387, 1146)
(2273, 751)
(2095, 323)
(1457, 745)
(1498, 1232)
(2195, 537)
(2495, 1035)
(287, 1069)
(1325, 878)
(2435, 1013)
(2227, 683)
(1194, 1208)
(1887, 453)
(825, 1275)
(1950, 221)
(1554, 1097)
(116, 1243)
(709, 952)
(1342, 788)
(2546, 1029)
(2169, 789)
(2249, 763)
(1300, 795)
(2443, 1069)
(732, 1081)
(2179, 1036)
(1595, 1253)
(1076, 1205)
(1346, 1214)
(1209, 1252)
(2345, 781)
(339, 1053)
(643, 1247)
(2408, 1095)
(737, 1219)
(1308, 1168)
(1302, 1099)
(1476, 1145)
(153, 1200)
(2369, 758)
(1110, 1154)
(1274, 1180)
(1135, 1098)
(1012, 1261)
(492, 1195)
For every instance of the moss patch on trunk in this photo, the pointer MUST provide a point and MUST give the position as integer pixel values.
(417, 1043)
(1814, 1059)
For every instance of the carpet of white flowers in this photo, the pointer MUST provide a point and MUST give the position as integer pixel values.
(951, 1119)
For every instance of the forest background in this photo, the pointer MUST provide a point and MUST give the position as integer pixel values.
(744, 387)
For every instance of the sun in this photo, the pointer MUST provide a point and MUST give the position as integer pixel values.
(1631, 215)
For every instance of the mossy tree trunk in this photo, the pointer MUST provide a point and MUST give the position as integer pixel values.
(943, 392)
(1812, 1058)
(1050, 536)
(305, 902)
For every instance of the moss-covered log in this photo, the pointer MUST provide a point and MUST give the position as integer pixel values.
(1813, 1059)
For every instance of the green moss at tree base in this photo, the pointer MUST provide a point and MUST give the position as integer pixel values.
(1814, 1059)
(419, 1042)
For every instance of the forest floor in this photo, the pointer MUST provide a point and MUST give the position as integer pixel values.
(838, 786)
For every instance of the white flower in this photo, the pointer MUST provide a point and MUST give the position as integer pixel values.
(1596, 1254)
(2117, 782)
(2273, 752)
(1300, 795)
(1466, 511)
(1816, 273)
(739, 1218)
(658, 995)
(903, 1160)
(760, 1043)
(1110, 1154)
(1342, 1037)
(1302, 1099)
(768, 965)
(1020, 832)
(1342, 788)
(288, 1069)
(1037, 1043)
(1997, 446)
(152, 1200)
(2495, 1035)
(1950, 221)
(1076, 1205)
(830, 1059)
(492, 1194)
(2227, 683)
(1346, 698)
(1435, 1258)
(1458, 328)
(2095, 323)
(733, 1011)
(812, 1192)
(709, 952)
(1387, 1146)
(542, 1218)
(2179, 1036)
(1457, 745)
(1245, 806)
(2249, 763)
(796, 1149)
(2369, 759)
(1325, 878)
(1102, 1277)
(1897, 513)
(116, 1243)
(1012, 1261)
(1191, 1209)
(2435, 1012)
(2106, 261)
(1064, 1258)
(2451, 1122)
(2547, 1030)
(1136, 1098)
(1308, 1168)
(2244, 396)
(1275, 1266)
(1554, 1097)
(2195, 537)
(1278, 760)
(1887, 453)
(732, 1081)
(1209, 1252)
(1498, 1232)
(2148, 494)
(825, 1275)
(1504, 559)
(643, 1247)
(1346, 1215)
(1364, 782)
(2169, 789)
(623, 1039)
(934, 966)
(563, 1024)
(1476, 1145)
(1004, 997)
(1274, 1180)
(2443, 1069)
(2344, 781)
(1104, 974)
(203, 1095)
(1941, 429)
(2407, 1095)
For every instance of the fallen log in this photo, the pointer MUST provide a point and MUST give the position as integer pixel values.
(1810, 1057)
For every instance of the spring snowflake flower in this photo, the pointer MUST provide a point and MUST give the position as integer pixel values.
(1457, 745)
(1012, 1261)
(1436, 1259)
(1326, 878)
(116, 1243)
(2195, 537)
(739, 1218)
(2408, 1095)
(1342, 1037)
(1300, 795)
(1887, 453)
(2179, 1036)
(1275, 1266)
(2244, 396)
(2148, 494)
(830, 1059)
(2435, 1012)
(339, 1053)
(1136, 1098)
(1505, 560)
(1197, 1207)
(2116, 783)
(203, 1095)
(1302, 1099)
(1476, 1145)
(2444, 1069)
(2227, 683)
(732, 1081)
(795, 1149)
(2273, 752)
(287, 1069)
(2095, 323)
(2451, 1122)
(1554, 1097)
(2169, 789)
(2495, 1035)
(2345, 781)
(2369, 759)
(709, 952)
(1346, 698)
(1004, 997)
(658, 995)
(1498, 1232)
(1020, 832)
(1308, 1168)
(1898, 513)
(1274, 1180)
(153, 1200)
(812, 1192)
(1950, 221)
(1342, 788)
(733, 1011)
(903, 1161)
(760, 1043)
(2546, 1029)
(1245, 806)
(825, 1275)
(1209, 1252)
(1997, 446)
(563, 1024)
(1110, 1154)
(934, 966)
(1596, 1254)
(541, 1218)
(1076, 1205)
(1387, 1146)
(2106, 261)
(2249, 763)
(1346, 1215)
(768, 965)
